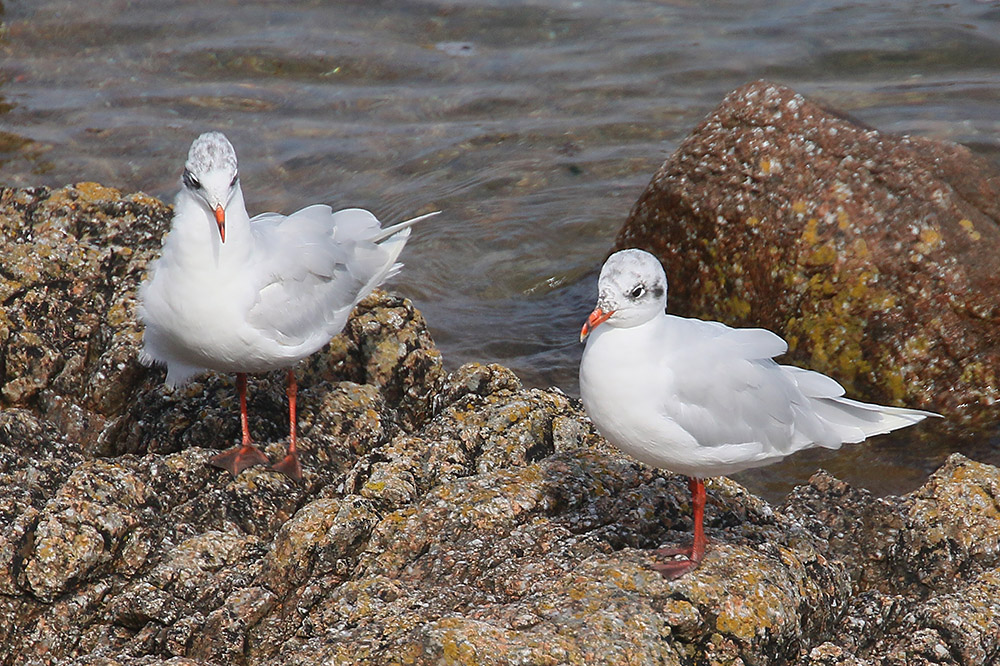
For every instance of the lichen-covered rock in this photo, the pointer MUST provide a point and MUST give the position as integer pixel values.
(945, 532)
(925, 567)
(877, 257)
(386, 344)
(72, 259)
(455, 519)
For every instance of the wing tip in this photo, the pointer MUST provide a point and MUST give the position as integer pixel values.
(401, 227)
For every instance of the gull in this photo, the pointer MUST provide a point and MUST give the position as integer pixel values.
(700, 398)
(240, 295)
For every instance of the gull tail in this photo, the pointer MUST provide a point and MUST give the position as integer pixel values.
(392, 239)
(830, 419)
(402, 226)
(872, 419)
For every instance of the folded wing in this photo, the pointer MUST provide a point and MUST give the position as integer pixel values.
(320, 265)
(778, 408)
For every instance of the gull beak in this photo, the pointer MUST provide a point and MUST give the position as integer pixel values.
(220, 219)
(596, 318)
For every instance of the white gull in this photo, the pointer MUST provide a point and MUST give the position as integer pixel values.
(234, 294)
(703, 399)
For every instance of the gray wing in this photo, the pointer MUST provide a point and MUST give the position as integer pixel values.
(729, 390)
(315, 266)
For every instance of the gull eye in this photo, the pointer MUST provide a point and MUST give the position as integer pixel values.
(636, 292)
(190, 181)
(235, 179)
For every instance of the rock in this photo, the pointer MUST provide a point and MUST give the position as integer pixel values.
(876, 256)
(386, 344)
(945, 533)
(925, 567)
(72, 259)
(443, 518)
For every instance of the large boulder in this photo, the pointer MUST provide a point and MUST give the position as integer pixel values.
(876, 256)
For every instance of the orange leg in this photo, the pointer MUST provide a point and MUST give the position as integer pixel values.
(289, 465)
(674, 568)
(237, 459)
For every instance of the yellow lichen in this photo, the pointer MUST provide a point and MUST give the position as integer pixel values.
(736, 307)
(96, 191)
(894, 384)
(930, 238)
(860, 248)
(810, 235)
(843, 220)
(826, 323)
(823, 255)
(455, 649)
(970, 229)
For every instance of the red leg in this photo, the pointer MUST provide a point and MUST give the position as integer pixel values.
(671, 569)
(237, 459)
(289, 465)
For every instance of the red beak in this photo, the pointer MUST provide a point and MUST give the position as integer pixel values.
(220, 219)
(596, 318)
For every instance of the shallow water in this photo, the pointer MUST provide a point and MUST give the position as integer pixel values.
(533, 125)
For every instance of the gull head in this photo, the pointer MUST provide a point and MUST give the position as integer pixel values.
(632, 290)
(211, 176)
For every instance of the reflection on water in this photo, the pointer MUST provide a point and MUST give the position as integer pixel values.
(533, 125)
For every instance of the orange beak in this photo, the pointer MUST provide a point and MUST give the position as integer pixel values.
(596, 318)
(220, 219)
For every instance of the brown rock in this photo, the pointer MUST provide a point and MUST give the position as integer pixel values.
(944, 533)
(925, 567)
(72, 258)
(386, 344)
(442, 519)
(876, 256)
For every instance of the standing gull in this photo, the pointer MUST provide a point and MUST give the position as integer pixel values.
(235, 294)
(700, 398)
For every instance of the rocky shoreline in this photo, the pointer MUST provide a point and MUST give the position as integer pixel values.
(444, 518)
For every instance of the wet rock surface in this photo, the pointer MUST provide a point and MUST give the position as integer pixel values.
(876, 256)
(454, 518)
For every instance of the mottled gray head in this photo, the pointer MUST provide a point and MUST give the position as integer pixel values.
(211, 175)
(209, 152)
(632, 290)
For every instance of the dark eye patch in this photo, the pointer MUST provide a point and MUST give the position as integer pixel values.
(190, 180)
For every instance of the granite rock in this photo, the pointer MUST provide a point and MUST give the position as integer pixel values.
(453, 518)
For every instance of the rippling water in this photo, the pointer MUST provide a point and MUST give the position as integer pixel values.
(533, 125)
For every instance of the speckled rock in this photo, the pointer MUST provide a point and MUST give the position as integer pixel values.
(925, 567)
(945, 532)
(443, 519)
(72, 258)
(876, 256)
